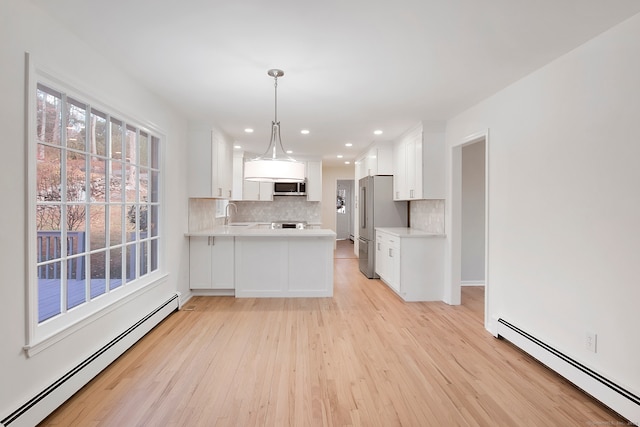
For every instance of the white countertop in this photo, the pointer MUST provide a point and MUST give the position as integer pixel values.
(408, 232)
(250, 230)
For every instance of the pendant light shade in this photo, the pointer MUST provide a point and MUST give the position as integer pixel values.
(273, 166)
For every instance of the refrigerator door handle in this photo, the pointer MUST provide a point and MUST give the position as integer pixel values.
(363, 207)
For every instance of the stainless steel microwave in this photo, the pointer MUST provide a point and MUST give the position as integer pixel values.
(289, 188)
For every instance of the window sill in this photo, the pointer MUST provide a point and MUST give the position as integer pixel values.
(41, 344)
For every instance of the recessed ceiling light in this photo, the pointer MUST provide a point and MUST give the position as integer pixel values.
(248, 130)
(348, 144)
(339, 156)
(237, 147)
(305, 131)
(347, 163)
(289, 152)
(377, 132)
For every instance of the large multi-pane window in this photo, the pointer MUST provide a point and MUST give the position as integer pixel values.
(97, 203)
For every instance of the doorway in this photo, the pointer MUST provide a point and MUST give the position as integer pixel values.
(344, 209)
(469, 250)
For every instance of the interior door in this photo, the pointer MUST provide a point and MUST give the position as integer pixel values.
(344, 209)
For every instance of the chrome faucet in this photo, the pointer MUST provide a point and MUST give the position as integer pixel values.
(226, 212)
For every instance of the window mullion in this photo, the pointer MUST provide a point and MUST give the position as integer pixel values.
(88, 148)
(64, 211)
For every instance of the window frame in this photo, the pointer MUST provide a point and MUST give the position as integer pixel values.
(41, 335)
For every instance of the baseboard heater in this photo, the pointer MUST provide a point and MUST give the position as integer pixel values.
(606, 391)
(45, 402)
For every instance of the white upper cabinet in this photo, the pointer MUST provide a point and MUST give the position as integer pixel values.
(210, 164)
(378, 160)
(314, 181)
(418, 165)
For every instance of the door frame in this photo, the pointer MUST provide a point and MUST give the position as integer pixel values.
(351, 213)
(452, 294)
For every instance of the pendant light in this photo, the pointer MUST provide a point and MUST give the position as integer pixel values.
(272, 166)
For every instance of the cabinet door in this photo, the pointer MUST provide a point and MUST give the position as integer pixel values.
(201, 160)
(224, 163)
(237, 180)
(266, 191)
(314, 181)
(393, 264)
(250, 190)
(222, 263)
(381, 256)
(400, 171)
(411, 152)
(199, 263)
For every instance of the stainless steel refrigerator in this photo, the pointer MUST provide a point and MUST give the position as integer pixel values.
(377, 209)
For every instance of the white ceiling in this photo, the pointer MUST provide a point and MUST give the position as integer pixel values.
(351, 66)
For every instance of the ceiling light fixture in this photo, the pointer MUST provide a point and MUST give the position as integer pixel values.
(377, 132)
(248, 130)
(348, 144)
(305, 131)
(270, 166)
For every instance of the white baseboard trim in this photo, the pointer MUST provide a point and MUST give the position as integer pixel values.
(472, 283)
(601, 388)
(45, 402)
(213, 292)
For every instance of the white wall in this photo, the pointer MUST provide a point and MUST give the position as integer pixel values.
(330, 177)
(564, 201)
(473, 218)
(25, 28)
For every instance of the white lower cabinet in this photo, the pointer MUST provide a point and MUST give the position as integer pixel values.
(211, 262)
(284, 267)
(388, 259)
(411, 263)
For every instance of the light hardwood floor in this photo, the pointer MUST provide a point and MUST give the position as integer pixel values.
(363, 357)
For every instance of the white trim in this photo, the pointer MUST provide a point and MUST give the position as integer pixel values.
(453, 279)
(41, 344)
(213, 292)
(472, 283)
(590, 381)
(44, 403)
(40, 335)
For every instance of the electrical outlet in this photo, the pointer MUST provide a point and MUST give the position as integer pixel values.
(591, 341)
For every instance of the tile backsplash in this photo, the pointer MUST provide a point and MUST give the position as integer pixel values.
(283, 208)
(202, 212)
(427, 215)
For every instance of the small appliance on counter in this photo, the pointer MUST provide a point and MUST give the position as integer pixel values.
(377, 209)
(300, 225)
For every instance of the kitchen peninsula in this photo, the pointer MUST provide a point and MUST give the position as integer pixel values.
(246, 260)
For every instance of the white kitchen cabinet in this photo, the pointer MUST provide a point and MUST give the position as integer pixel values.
(210, 164)
(259, 191)
(411, 263)
(388, 259)
(418, 165)
(378, 160)
(211, 262)
(314, 181)
(300, 266)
